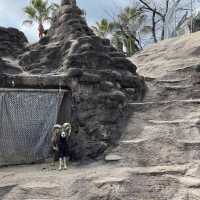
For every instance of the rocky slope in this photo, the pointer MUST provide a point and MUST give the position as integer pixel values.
(158, 156)
(165, 126)
(163, 133)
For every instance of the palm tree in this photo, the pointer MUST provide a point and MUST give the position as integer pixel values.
(117, 41)
(102, 28)
(124, 43)
(39, 11)
(196, 23)
(127, 28)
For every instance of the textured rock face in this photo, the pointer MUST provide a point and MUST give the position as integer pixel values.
(101, 80)
(163, 133)
(169, 116)
(12, 42)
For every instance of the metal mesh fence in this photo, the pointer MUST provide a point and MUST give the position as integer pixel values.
(26, 121)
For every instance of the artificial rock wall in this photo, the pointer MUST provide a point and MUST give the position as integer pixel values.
(101, 80)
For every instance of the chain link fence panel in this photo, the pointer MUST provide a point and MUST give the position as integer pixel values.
(27, 118)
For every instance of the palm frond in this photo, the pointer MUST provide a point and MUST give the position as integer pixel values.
(30, 11)
(39, 5)
(102, 28)
(117, 42)
(40, 10)
(30, 22)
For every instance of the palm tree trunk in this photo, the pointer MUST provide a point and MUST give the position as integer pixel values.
(41, 30)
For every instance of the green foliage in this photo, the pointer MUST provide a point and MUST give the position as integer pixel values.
(123, 42)
(126, 27)
(196, 23)
(123, 30)
(129, 14)
(102, 28)
(39, 11)
(117, 41)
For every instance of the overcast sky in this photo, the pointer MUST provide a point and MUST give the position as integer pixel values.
(11, 13)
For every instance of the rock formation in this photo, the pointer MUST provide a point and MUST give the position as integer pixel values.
(100, 79)
(12, 44)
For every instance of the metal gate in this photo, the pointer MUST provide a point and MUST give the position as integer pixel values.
(27, 117)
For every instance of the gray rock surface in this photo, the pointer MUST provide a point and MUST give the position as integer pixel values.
(112, 157)
(165, 126)
(101, 80)
(12, 42)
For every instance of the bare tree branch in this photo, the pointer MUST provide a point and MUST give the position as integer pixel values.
(150, 8)
(154, 27)
(167, 7)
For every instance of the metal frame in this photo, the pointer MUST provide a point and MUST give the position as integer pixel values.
(31, 90)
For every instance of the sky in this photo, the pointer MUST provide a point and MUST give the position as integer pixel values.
(12, 15)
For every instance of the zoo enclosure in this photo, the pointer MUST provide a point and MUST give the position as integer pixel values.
(27, 117)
